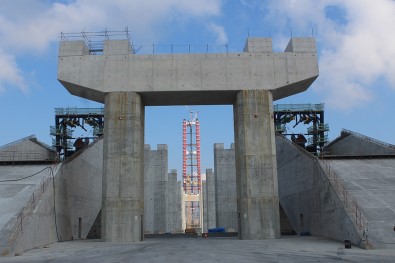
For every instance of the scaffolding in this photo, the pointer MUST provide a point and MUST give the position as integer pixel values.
(67, 120)
(191, 170)
(307, 114)
(95, 40)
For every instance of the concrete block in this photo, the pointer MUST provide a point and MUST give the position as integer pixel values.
(117, 47)
(258, 45)
(73, 48)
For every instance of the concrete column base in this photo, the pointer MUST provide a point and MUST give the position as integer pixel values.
(256, 167)
(123, 170)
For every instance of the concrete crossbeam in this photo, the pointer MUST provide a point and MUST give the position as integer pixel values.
(127, 82)
(211, 78)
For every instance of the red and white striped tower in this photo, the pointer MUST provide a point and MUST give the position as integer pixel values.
(191, 169)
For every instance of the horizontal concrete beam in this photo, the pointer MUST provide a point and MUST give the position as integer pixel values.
(178, 79)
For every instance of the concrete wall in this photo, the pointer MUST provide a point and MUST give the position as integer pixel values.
(225, 187)
(26, 150)
(155, 189)
(174, 220)
(79, 192)
(354, 144)
(40, 229)
(17, 196)
(211, 203)
(308, 198)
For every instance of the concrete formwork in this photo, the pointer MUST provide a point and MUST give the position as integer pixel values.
(249, 80)
(225, 187)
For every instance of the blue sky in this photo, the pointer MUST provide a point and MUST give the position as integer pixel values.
(355, 38)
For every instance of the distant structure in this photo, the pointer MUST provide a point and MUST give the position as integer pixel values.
(191, 170)
(67, 120)
(307, 114)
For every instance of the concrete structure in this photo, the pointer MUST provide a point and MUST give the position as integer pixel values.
(27, 150)
(366, 167)
(208, 199)
(308, 197)
(127, 82)
(162, 198)
(155, 184)
(350, 143)
(225, 187)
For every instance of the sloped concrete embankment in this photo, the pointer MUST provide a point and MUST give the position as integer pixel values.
(73, 194)
(308, 197)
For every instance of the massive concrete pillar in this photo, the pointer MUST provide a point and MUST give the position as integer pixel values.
(256, 171)
(123, 171)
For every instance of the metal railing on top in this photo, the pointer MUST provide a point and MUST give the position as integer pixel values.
(349, 203)
(71, 111)
(388, 145)
(18, 156)
(298, 107)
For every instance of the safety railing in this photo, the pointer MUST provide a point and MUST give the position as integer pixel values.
(71, 111)
(18, 156)
(349, 203)
(298, 107)
(391, 146)
(21, 220)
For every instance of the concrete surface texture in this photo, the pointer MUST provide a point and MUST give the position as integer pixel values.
(371, 182)
(124, 81)
(26, 149)
(225, 187)
(210, 204)
(162, 194)
(308, 197)
(188, 78)
(155, 189)
(14, 195)
(78, 192)
(351, 143)
(123, 168)
(256, 168)
(287, 249)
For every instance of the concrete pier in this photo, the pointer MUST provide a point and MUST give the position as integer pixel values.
(256, 169)
(122, 80)
(225, 187)
(123, 170)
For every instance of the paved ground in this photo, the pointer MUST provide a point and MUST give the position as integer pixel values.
(286, 249)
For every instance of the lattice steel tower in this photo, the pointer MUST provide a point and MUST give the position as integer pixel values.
(191, 170)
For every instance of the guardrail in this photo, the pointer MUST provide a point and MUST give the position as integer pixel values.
(18, 156)
(349, 203)
(20, 221)
(388, 145)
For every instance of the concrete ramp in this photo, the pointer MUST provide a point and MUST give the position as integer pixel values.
(371, 183)
(21, 188)
(61, 209)
(309, 198)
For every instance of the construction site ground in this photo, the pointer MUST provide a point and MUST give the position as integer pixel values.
(286, 249)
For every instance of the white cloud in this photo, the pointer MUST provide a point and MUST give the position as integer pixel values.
(219, 32)
(356, 41)
(31, 26)
(9, 73)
